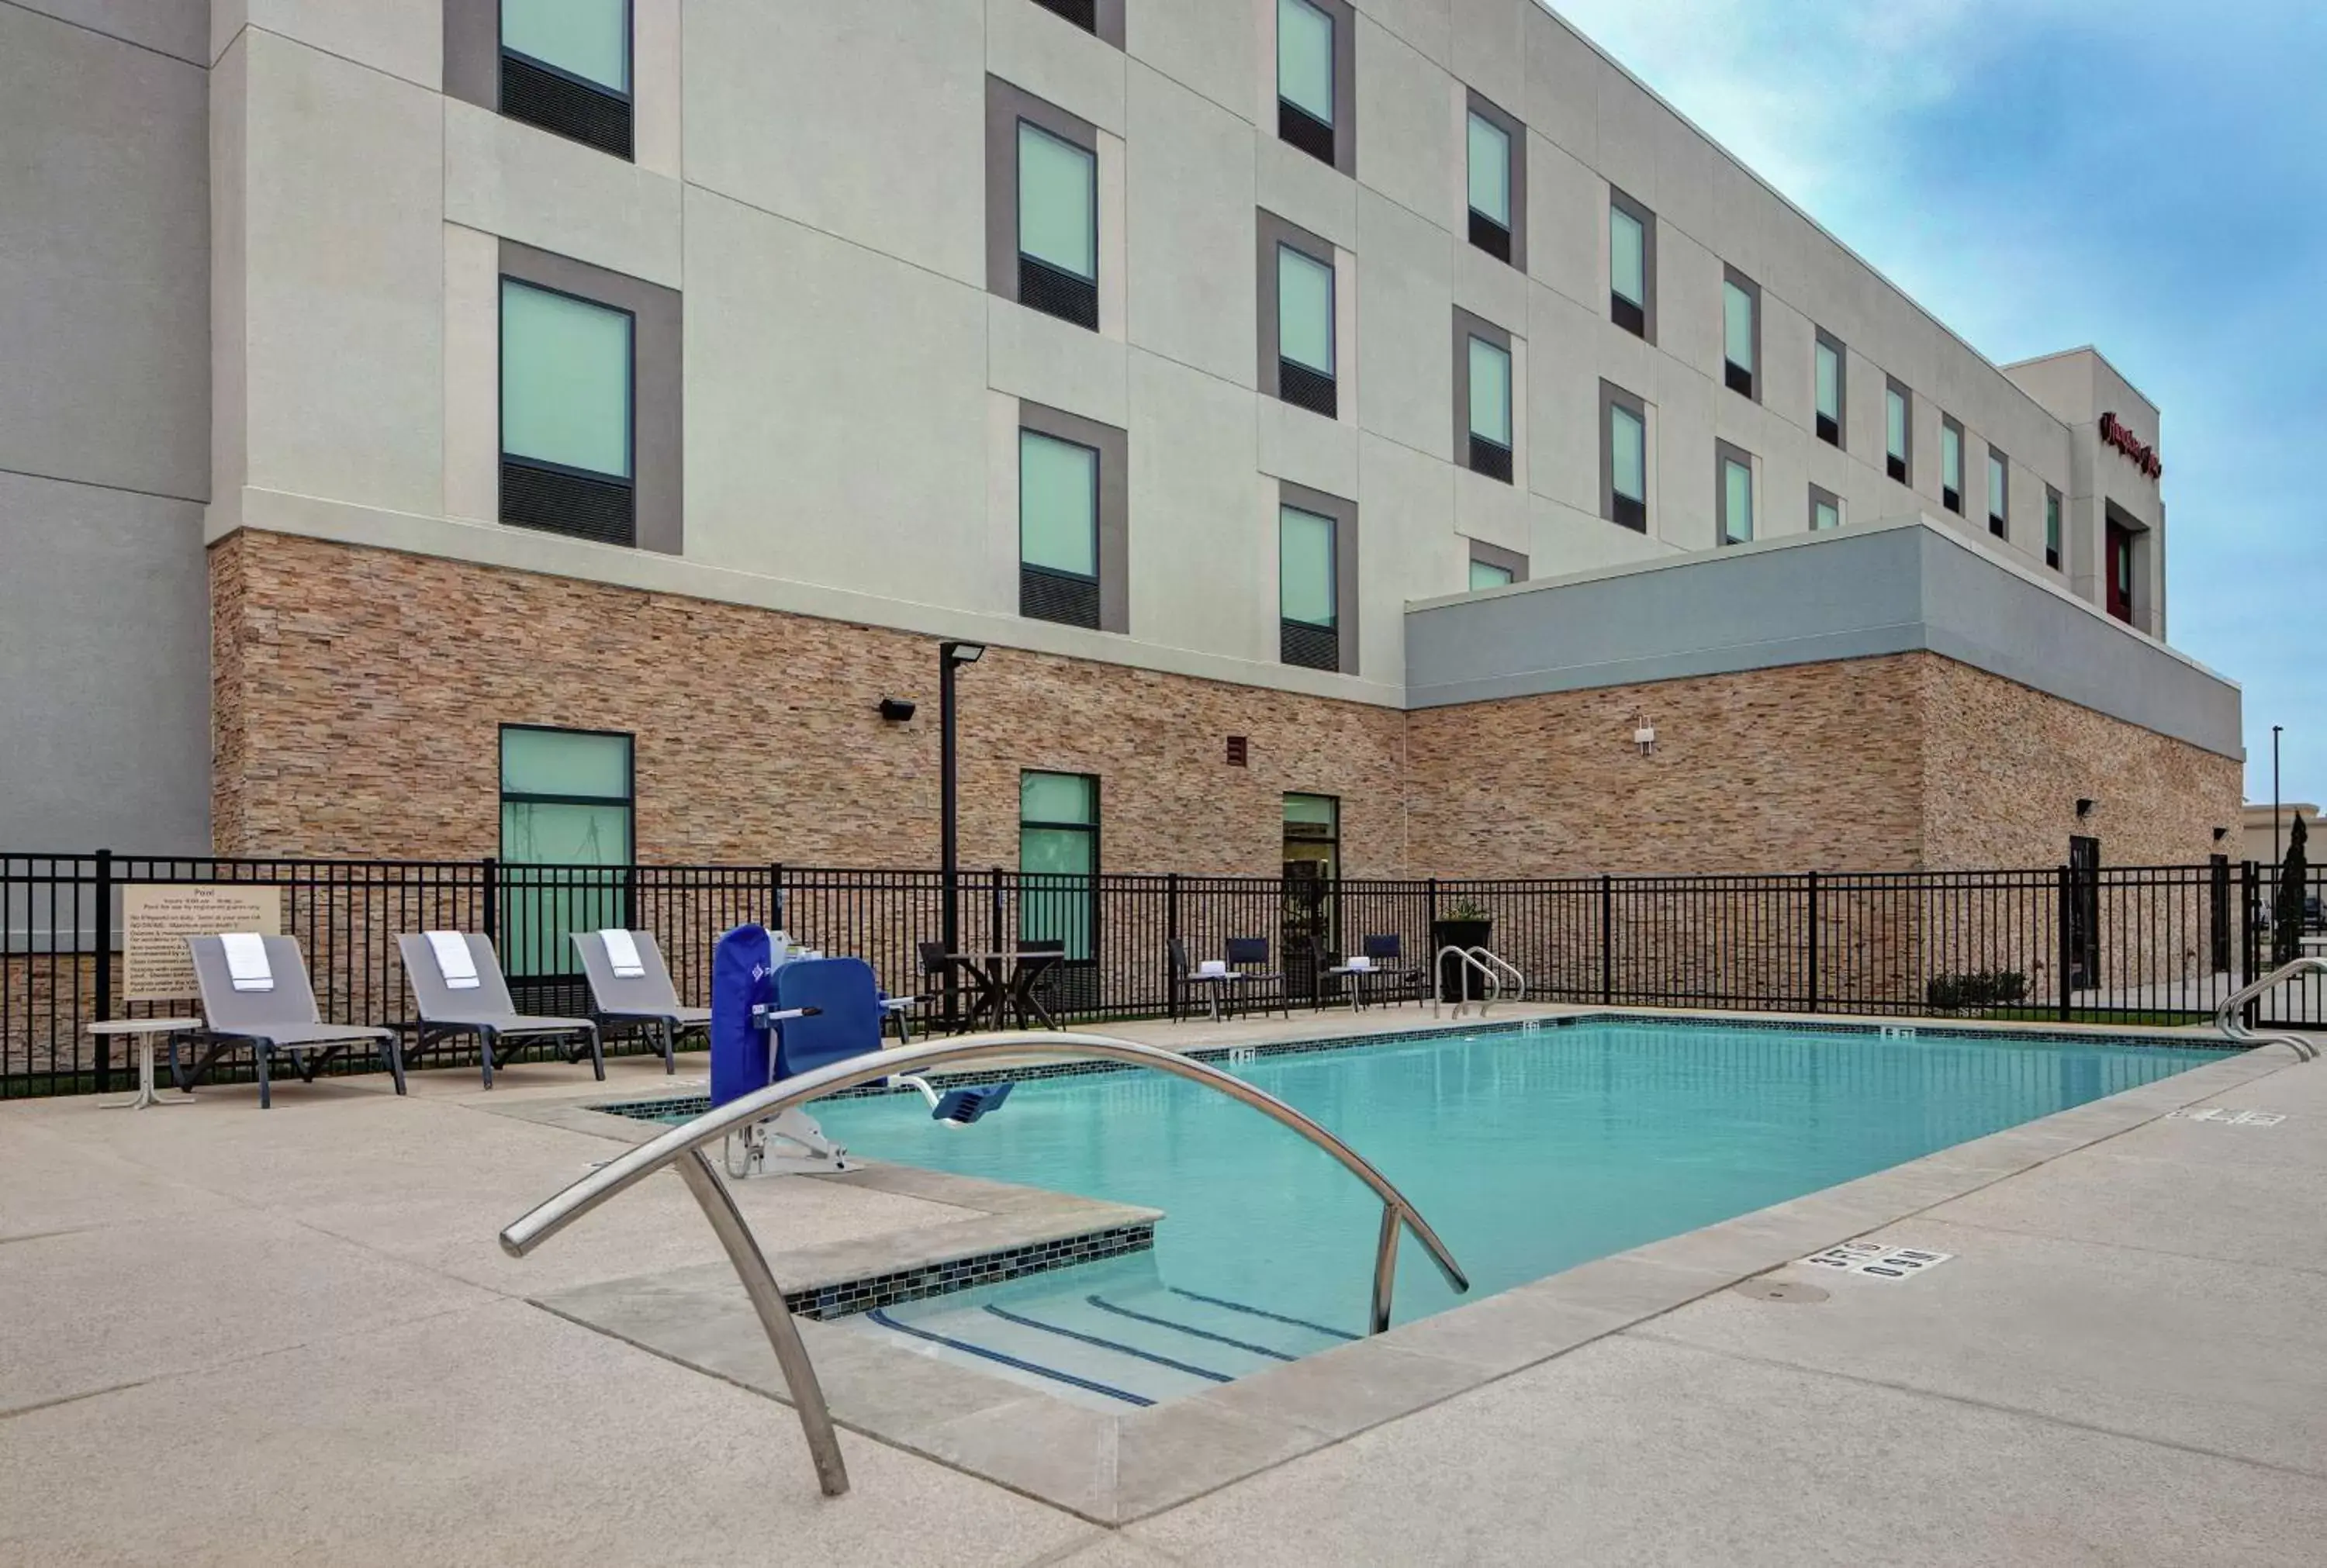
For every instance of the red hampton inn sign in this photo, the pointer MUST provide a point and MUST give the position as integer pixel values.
(2143, 456)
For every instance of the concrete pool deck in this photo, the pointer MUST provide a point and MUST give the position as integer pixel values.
(296, 1330)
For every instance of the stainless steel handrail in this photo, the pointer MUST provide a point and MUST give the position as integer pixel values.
(1489, 956)
(683, 1146)
(1494, 982)
(2232, 1026)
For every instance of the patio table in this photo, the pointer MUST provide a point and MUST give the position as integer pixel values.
(145, 1029)
(1004, 984)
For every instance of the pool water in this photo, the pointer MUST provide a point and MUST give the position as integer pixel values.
(1530, 1151)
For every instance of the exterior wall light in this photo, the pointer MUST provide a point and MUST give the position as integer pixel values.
(2221, 834)
(2084, 809)
(1644, 734)
(896, 710)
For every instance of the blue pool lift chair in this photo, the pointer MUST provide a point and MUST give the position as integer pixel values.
(775, 1021)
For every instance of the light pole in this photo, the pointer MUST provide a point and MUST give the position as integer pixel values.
(951, 656)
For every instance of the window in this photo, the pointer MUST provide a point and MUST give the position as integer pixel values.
(565, 67)
(1623, 459)
(1734, 476)
(1951, 465)
(1492, 566)
(1058, 861)
(1483, 396)
(2052, 527)
(1058, 530)
(2118, 541)
(1497, 183)
(567, 801)
(1832, 367)
(1826, 509)
(566, 447)
(1999, 482)
(1631, 265)
(1307, 582)
(1101, 18)
(1898, 431)
(1741, 332)
(1310, 77)
(1058, 227)
(1313, 837)
(1297, 360)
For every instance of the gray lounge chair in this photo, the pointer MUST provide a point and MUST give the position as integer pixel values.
(647, 998)
(281, 1019)
(484, 1009)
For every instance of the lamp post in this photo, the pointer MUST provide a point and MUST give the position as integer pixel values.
(951, 656)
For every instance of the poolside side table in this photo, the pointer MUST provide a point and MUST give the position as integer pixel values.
(145, 1029)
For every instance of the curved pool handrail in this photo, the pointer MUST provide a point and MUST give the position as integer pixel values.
(2229, 1021)
(684, 1146)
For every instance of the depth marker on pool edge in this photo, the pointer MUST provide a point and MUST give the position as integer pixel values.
(1876, 1260)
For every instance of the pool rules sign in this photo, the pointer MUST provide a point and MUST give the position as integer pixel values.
(157, 918)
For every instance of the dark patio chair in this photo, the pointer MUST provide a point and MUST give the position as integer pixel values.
(1392, 976)
(1249, 957)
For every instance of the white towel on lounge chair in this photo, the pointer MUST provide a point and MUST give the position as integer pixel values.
(623, 954)
(246, 961)
(453, 960)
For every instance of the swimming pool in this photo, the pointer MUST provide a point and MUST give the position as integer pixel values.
(1531, 1149)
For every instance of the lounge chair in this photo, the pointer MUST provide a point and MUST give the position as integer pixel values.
(453, 1001)
(254, 994)
(633, 988)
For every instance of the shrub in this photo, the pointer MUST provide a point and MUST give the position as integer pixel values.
(1969, 993)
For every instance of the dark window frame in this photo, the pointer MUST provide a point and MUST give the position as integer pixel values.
(1839, 437)
(1821, 496)
(1952, 499)
(476, 64)
(2056, 528)
(1619, 308)
(621, 885)
(656, 484)
(1343, 515)
(1317, 392)
(1008, 106)
(1613, 508)
(1483, 554)
(1105, 22)
(1112, 521)
(1089, 896)
(1512, 247)
(1899, 466)
(1732, 372)
(1724, 453)
(1999, 524)
(1481, 454)
(1299, 129)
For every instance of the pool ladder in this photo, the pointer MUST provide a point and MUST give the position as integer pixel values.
(1489, 964)
(2229, 1017)
(682, 1149)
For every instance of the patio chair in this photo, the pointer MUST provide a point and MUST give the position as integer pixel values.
(631, 987)
(256, 996)
(1392, 976)
(1216, 981)
(1249, 959)
(456, 999)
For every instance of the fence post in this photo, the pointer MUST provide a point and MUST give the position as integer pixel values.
(2256, 898)
(1814, 941)
(1607, 941)
(776, 895)
(1170, 936)
(994, 928)
(102, 939)
(2066, 936)
(491, 918)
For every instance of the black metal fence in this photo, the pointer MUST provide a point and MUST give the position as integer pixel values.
(2140, 944)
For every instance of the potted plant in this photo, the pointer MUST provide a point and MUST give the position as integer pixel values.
(1465, 923)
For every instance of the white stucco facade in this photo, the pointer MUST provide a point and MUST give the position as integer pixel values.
(810, 178)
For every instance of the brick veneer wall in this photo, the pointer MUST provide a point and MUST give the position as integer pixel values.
(1908, 761)
(359, 695)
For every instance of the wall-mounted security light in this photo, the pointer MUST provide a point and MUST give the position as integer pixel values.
(1644, 734)
(896, 710)
(2084, 809)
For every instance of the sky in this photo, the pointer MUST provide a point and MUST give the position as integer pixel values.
(2141, 175)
